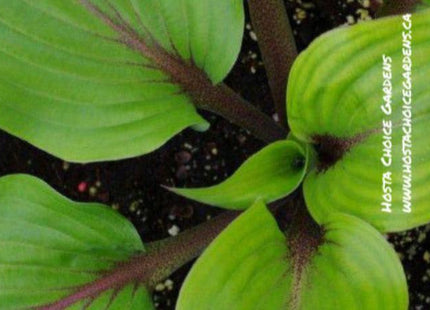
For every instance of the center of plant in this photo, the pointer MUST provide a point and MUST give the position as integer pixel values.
(298, 163)
(331, 149)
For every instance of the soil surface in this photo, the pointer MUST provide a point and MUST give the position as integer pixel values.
(199, 159)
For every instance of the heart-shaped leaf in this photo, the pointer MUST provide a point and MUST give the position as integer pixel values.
(51, 246)
(335, 100)
(92, 80)
(251, 265)
(272, 173)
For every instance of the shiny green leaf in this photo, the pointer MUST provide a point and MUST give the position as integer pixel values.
(92, 80)
(336, 90)
(252, 266)
(272, 173)
(50, 245)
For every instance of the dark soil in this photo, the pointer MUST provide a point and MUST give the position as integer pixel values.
(200, 159)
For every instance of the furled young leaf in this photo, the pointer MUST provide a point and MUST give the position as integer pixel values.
(49, 246)
(272, 173)
(251, 265)
(92, 80)
(334, 101)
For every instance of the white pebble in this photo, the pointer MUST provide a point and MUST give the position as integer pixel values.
(172, 217)
(174, 230)
(169, 284)
(350, 19)
(160, 287)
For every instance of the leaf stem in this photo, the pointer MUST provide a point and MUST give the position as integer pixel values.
(396, 7)
(194, 82)
(172, 253)
(304, 236)
(278, 47)
(160, 260)
(222, 100)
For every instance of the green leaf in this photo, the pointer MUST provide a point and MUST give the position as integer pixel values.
(424, 5)
(94, 80)
(252, 266)
(272, 173)
(334, 102)
(50, 245)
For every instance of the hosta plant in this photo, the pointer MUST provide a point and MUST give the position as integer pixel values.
(97, 80)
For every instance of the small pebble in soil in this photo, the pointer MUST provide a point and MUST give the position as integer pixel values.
(66, 166)
(133, 206)
(364, 3)
(350, 19)
(171, 217)
(188, 146)
(160, 287)
(93, 191)
(253, 35)
(169, 284)
(82, 187)
(183, 157)
(116, 206)
(174, 230)
(363, 14)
